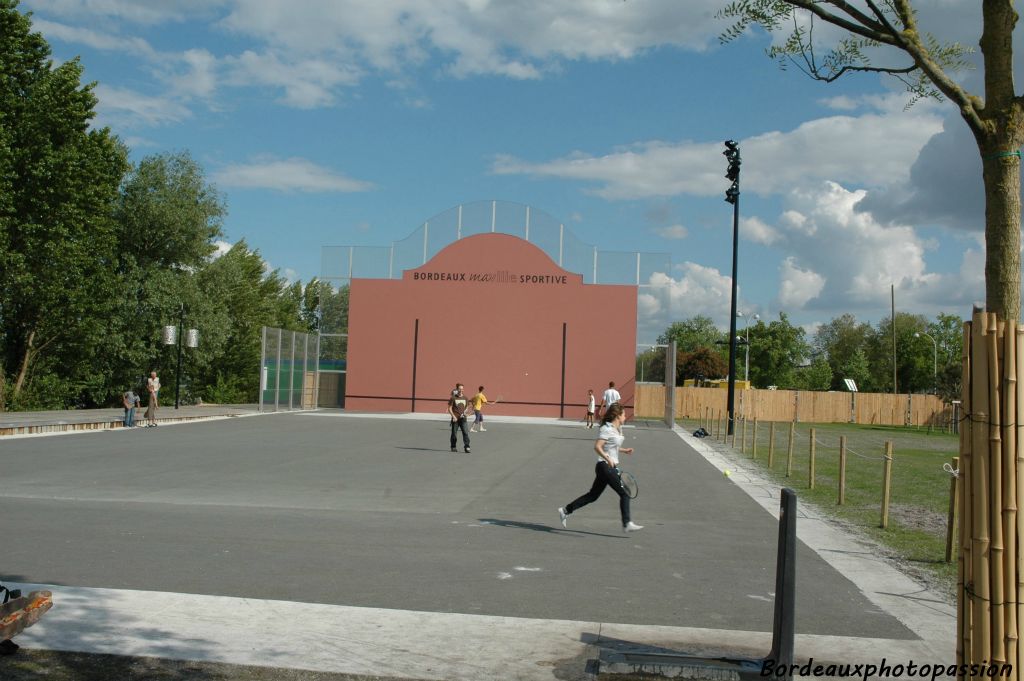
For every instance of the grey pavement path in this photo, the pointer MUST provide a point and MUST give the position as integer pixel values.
(73, 420)
(364, 531)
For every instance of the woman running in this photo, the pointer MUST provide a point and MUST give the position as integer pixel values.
(608, 447)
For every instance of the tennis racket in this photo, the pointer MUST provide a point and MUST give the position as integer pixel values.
(629, 483)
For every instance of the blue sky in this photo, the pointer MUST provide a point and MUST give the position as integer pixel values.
(338, 122)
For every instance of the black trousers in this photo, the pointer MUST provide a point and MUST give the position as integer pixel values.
(456, 425)
(604, 476)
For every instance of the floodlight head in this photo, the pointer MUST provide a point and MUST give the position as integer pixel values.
(731, 146)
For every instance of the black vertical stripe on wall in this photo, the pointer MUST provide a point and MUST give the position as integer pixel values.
(415, 348)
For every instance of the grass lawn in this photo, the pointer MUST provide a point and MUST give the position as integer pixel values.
(919, 500)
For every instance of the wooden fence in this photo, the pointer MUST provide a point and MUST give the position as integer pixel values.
(802, 406)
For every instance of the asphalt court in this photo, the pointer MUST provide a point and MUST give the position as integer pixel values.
(377, 512)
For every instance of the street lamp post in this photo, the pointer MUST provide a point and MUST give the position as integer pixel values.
(173, 335)
(935, 360)
(732, 195)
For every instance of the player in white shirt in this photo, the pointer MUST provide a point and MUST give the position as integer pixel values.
(606, 472)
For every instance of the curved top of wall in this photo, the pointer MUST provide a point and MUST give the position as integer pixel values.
(649, 272)
(535, 226)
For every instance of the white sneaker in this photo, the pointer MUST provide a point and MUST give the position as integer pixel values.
(563, 516)
(631, 527)
(472, 430)
(482, 429)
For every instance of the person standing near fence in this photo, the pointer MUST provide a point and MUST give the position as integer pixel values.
(130, 401)
(153, 388)
(611, 396)
(591, 407)
(606, 473)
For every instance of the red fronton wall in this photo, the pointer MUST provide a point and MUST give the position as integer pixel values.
(489, 310)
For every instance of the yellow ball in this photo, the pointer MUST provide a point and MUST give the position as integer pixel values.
(727, 472)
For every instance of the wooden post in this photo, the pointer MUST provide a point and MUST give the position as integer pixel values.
(810, 463)
(886, 483)
(842, 470)
(743, 440)
(951, 517)
(733, 424)
(789, 454)
(771, 444)
(753, 451)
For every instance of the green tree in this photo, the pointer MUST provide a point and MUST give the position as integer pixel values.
(913, 357)
(815, 376)
(58, 182)
(776, 350)
(842, 341)
(650, 366)
(855, 367)
(701, 363)
(948, 332)
(693, 333)
(248, 298)
(168, 217)
(875, 30)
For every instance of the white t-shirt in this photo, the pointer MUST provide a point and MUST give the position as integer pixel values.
(591, 404)
(613, 439)
(611, 396)
(153, 384)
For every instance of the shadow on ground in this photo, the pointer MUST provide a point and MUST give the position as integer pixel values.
(35, 665)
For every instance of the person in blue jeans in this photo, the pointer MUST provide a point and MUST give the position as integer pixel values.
(458, 404)
(606, 473)
(131, 402)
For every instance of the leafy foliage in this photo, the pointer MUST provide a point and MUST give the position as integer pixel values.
(841, 348)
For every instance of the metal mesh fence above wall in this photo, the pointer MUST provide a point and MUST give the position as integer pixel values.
(289, 370)
(649, 272)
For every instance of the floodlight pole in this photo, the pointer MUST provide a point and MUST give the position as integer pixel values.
(732, 195)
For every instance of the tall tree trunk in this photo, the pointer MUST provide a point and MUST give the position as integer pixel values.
(1001, 172)
(26, 362)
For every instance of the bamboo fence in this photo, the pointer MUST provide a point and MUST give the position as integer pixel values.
(990, 565)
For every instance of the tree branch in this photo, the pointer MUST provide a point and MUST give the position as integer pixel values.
(862, 24)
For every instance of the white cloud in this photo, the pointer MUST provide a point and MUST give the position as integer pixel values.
(288, 175)
(132, 109)
(307, 83)
(133, 11)
(221, 247)
(314, 49)
(699, 291)
(756, 230)
(672, 232)
(873, 150)
(94, 39)
(200, 76)
(843, 259)
(796, 285)
(515, 38)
